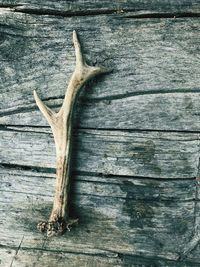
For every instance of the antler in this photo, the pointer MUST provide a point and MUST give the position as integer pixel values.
(61, 125)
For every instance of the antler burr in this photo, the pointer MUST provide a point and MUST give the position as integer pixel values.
(61, 125)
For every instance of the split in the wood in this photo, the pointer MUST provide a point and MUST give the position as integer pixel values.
(61, 125)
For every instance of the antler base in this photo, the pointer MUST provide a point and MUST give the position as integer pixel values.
(56, 227)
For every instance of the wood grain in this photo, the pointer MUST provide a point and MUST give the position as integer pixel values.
(108, 225)
(87, 7)
(155, 79)
(147, 154)
(136, 141)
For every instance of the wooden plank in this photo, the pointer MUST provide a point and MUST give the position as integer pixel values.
(120, 216)
(146, 154)
(32, 182)
(154, 85)
(114, 211)
(99, 199)
(146, 262)
(90, 7)
(168, 112)
(107, 225)
(33, 258)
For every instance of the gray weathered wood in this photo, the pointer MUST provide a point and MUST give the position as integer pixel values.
(20, 181)
(146, 154)
(90, 7)
(134, 190)
(154, 85)
(33, 258)
(6, 256)
(107, 225)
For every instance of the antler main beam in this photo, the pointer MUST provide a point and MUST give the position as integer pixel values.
(61, 125)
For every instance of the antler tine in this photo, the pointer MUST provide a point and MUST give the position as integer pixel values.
(79, 56)
(80, 60)
(82, 73)
(46, 111)
(61, 124)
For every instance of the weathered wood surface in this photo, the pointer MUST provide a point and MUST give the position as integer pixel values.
(87, 7)
(136, 145)
(146, 154)
(132, 217)
(154, 85)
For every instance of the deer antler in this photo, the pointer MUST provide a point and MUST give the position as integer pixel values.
(61, 125)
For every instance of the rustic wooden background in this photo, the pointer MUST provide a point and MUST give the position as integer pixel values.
(136, 146)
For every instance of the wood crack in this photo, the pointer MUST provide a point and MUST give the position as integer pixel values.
(27, 168)
(36, 129)
(101, 253)
(129, 12)
(46, 170)
(17, 251)
(149, 92)
(164, 15)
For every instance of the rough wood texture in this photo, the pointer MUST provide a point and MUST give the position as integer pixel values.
(136, 141)
(155, 83)
(134, 216)
(87, 7)
(143, 154)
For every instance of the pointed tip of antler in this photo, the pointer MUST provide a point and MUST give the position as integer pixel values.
(105, 69)
(74, 35)
(35, 95)
(98, 70)
(80, 61)
(46, 111)
(79, 57)
(37, 99)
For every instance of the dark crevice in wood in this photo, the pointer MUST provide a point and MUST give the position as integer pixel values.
(164, 15)
(69, 13)
(97, 12)
(27, 168)
(5, 127)
(17, 250)
(9, 5)
(132, 94)
(32, 107)
(83, 173)
(105, 253)
(131, 130)
(23, 128)
(61, 97)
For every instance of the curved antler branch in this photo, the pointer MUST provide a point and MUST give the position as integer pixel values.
(61, 124)
(47, 112)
